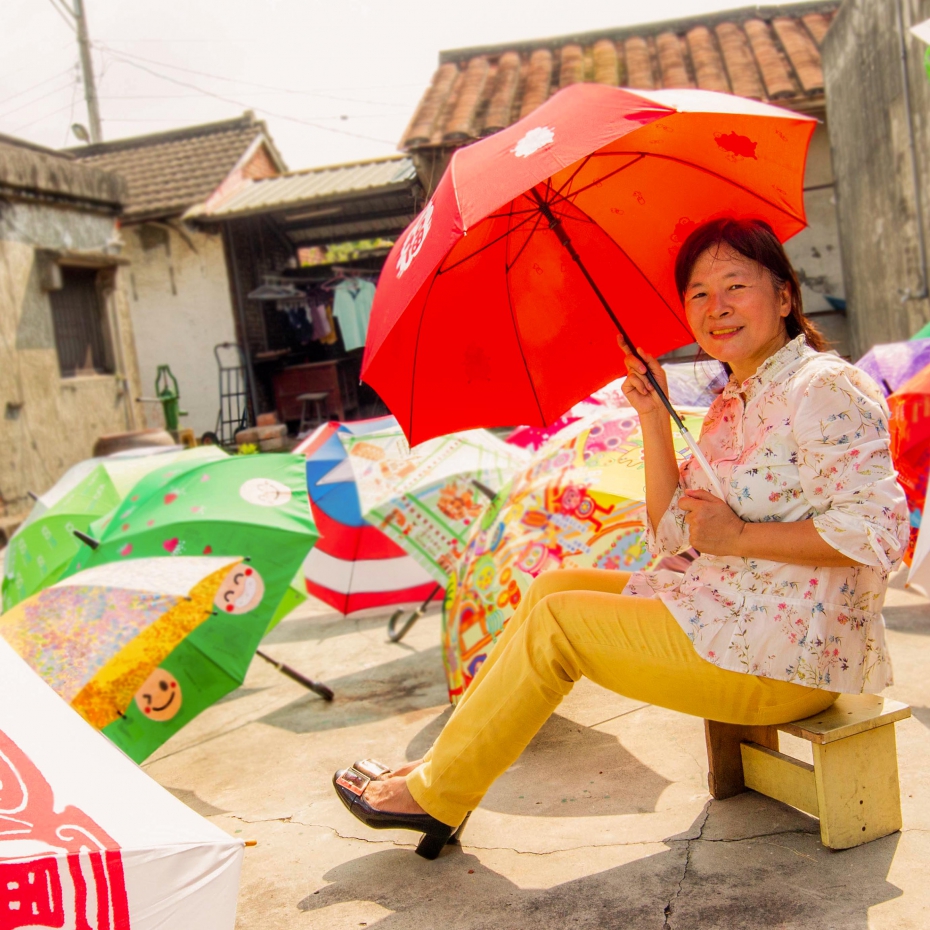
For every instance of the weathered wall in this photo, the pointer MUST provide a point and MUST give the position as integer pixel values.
(47, 423)
(876, 199)
(181, 308)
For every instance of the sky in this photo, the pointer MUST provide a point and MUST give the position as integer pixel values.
(334, 80)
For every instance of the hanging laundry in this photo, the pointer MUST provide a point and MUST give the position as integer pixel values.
(352, 307)
(322, 327)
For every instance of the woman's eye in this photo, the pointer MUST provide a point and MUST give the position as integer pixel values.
(734, 286)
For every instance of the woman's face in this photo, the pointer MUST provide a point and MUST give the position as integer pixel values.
(734, 310)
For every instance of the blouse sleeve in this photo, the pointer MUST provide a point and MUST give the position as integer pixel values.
(671, 536)
(845, 467)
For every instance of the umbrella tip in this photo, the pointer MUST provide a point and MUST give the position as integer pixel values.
(33, 495)
(87, 540)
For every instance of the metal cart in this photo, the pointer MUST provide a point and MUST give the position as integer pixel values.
(235, 408)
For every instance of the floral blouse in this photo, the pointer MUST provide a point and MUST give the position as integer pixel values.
(811, 440)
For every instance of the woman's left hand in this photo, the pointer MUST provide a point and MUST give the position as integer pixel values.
(712, 526)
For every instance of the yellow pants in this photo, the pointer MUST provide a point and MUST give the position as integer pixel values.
(572, 624)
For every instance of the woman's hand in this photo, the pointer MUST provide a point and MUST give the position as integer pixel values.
(712, 526)
(639, 392)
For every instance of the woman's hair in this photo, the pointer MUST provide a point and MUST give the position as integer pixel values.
(753, 239)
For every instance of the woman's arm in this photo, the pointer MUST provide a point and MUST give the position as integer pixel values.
(661, 467)
(717, 530)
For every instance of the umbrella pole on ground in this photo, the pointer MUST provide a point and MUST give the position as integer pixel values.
(395, 635)
(315, 686)
(555, 224)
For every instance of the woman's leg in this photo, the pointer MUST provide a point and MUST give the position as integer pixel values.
(630, 645)
(551, 582)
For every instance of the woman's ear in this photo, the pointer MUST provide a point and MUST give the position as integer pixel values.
(784, 301)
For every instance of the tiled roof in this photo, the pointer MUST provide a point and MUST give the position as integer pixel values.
(769, 53)
(313, 185)
(28, 170)
(167, 173)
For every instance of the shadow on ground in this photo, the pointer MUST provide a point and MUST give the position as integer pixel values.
(409, 683)
(622, 784)
(782, 880)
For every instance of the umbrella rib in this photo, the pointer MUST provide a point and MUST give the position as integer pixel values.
(581, 190)
(644, 276)
(487, 245)
(510, 264)
(720, 177)
(516, 328)
(574, 174)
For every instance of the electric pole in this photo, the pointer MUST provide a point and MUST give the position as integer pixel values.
(87, 69)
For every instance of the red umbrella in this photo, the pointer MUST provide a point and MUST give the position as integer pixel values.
(501, 303)
(910, 445)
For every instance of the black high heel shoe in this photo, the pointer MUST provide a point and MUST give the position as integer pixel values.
(350, 785)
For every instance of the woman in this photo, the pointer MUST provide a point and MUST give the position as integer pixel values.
(781, 611)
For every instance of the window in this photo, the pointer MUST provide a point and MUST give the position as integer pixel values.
(80, 325)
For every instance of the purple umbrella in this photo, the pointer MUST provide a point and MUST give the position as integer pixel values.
(892, 363)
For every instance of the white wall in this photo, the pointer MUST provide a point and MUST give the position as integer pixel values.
(181, 307)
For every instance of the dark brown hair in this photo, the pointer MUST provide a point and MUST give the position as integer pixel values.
(753, 239)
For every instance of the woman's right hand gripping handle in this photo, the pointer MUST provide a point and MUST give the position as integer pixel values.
(658, 448)
(639, 392)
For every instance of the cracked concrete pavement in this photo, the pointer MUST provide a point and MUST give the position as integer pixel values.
(604, 822)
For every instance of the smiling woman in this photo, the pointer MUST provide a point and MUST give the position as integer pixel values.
(778, 614)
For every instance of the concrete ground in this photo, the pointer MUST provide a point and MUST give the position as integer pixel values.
(604, 822)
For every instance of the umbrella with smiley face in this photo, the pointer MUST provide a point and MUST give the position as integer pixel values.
(251, 506)
(103, 638)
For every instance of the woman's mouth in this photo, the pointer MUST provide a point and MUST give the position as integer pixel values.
(724, 332)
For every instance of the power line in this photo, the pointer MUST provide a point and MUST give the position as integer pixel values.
(219, 77)
(70, 23)
(29, 103)
(74, 89)
(245, 106)
(19, 93)
(40, 118)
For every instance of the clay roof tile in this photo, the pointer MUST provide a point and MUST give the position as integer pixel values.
(801, 51)
(773, 65)
(639, 64)
(503, 93)
(460, 124)
(604, 54)
(709, 70)
(538, 81)
(424, 120)
(571, 70)
(672, 61)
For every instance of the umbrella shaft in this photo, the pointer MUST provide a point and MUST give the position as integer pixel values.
(555, 224)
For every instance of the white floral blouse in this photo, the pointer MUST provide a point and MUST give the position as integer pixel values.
(811, 440)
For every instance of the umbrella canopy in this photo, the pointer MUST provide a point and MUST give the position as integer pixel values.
(251, 506)
(893, 363)
(101, 637)
(89, 840)
(354, 566)
(922, 333)
(918, 577)
(910, 445)
(500, 304)
(578, 505)
(44, 545)
(425, 499)
(690, 384)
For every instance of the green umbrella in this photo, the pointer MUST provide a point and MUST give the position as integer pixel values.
(253, 506)
(922, 333)
(43, 547)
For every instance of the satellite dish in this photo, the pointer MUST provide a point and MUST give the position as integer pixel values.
(80, 132)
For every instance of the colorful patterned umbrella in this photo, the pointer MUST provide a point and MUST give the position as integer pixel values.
(354, 566)
(101, 637)
(426, 499)
(578, 505)
(251, 506)
(910, 445)
(44, 545)
(893, 363)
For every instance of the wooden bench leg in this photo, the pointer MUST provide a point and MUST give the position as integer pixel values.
(857, 788)
(724, 760)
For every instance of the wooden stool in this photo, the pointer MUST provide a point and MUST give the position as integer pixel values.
(852, 785)
(317, 400)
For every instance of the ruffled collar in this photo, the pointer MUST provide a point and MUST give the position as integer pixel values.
(788, 355)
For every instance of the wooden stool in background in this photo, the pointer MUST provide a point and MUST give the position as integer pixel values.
(317, 401)
(852, 787)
